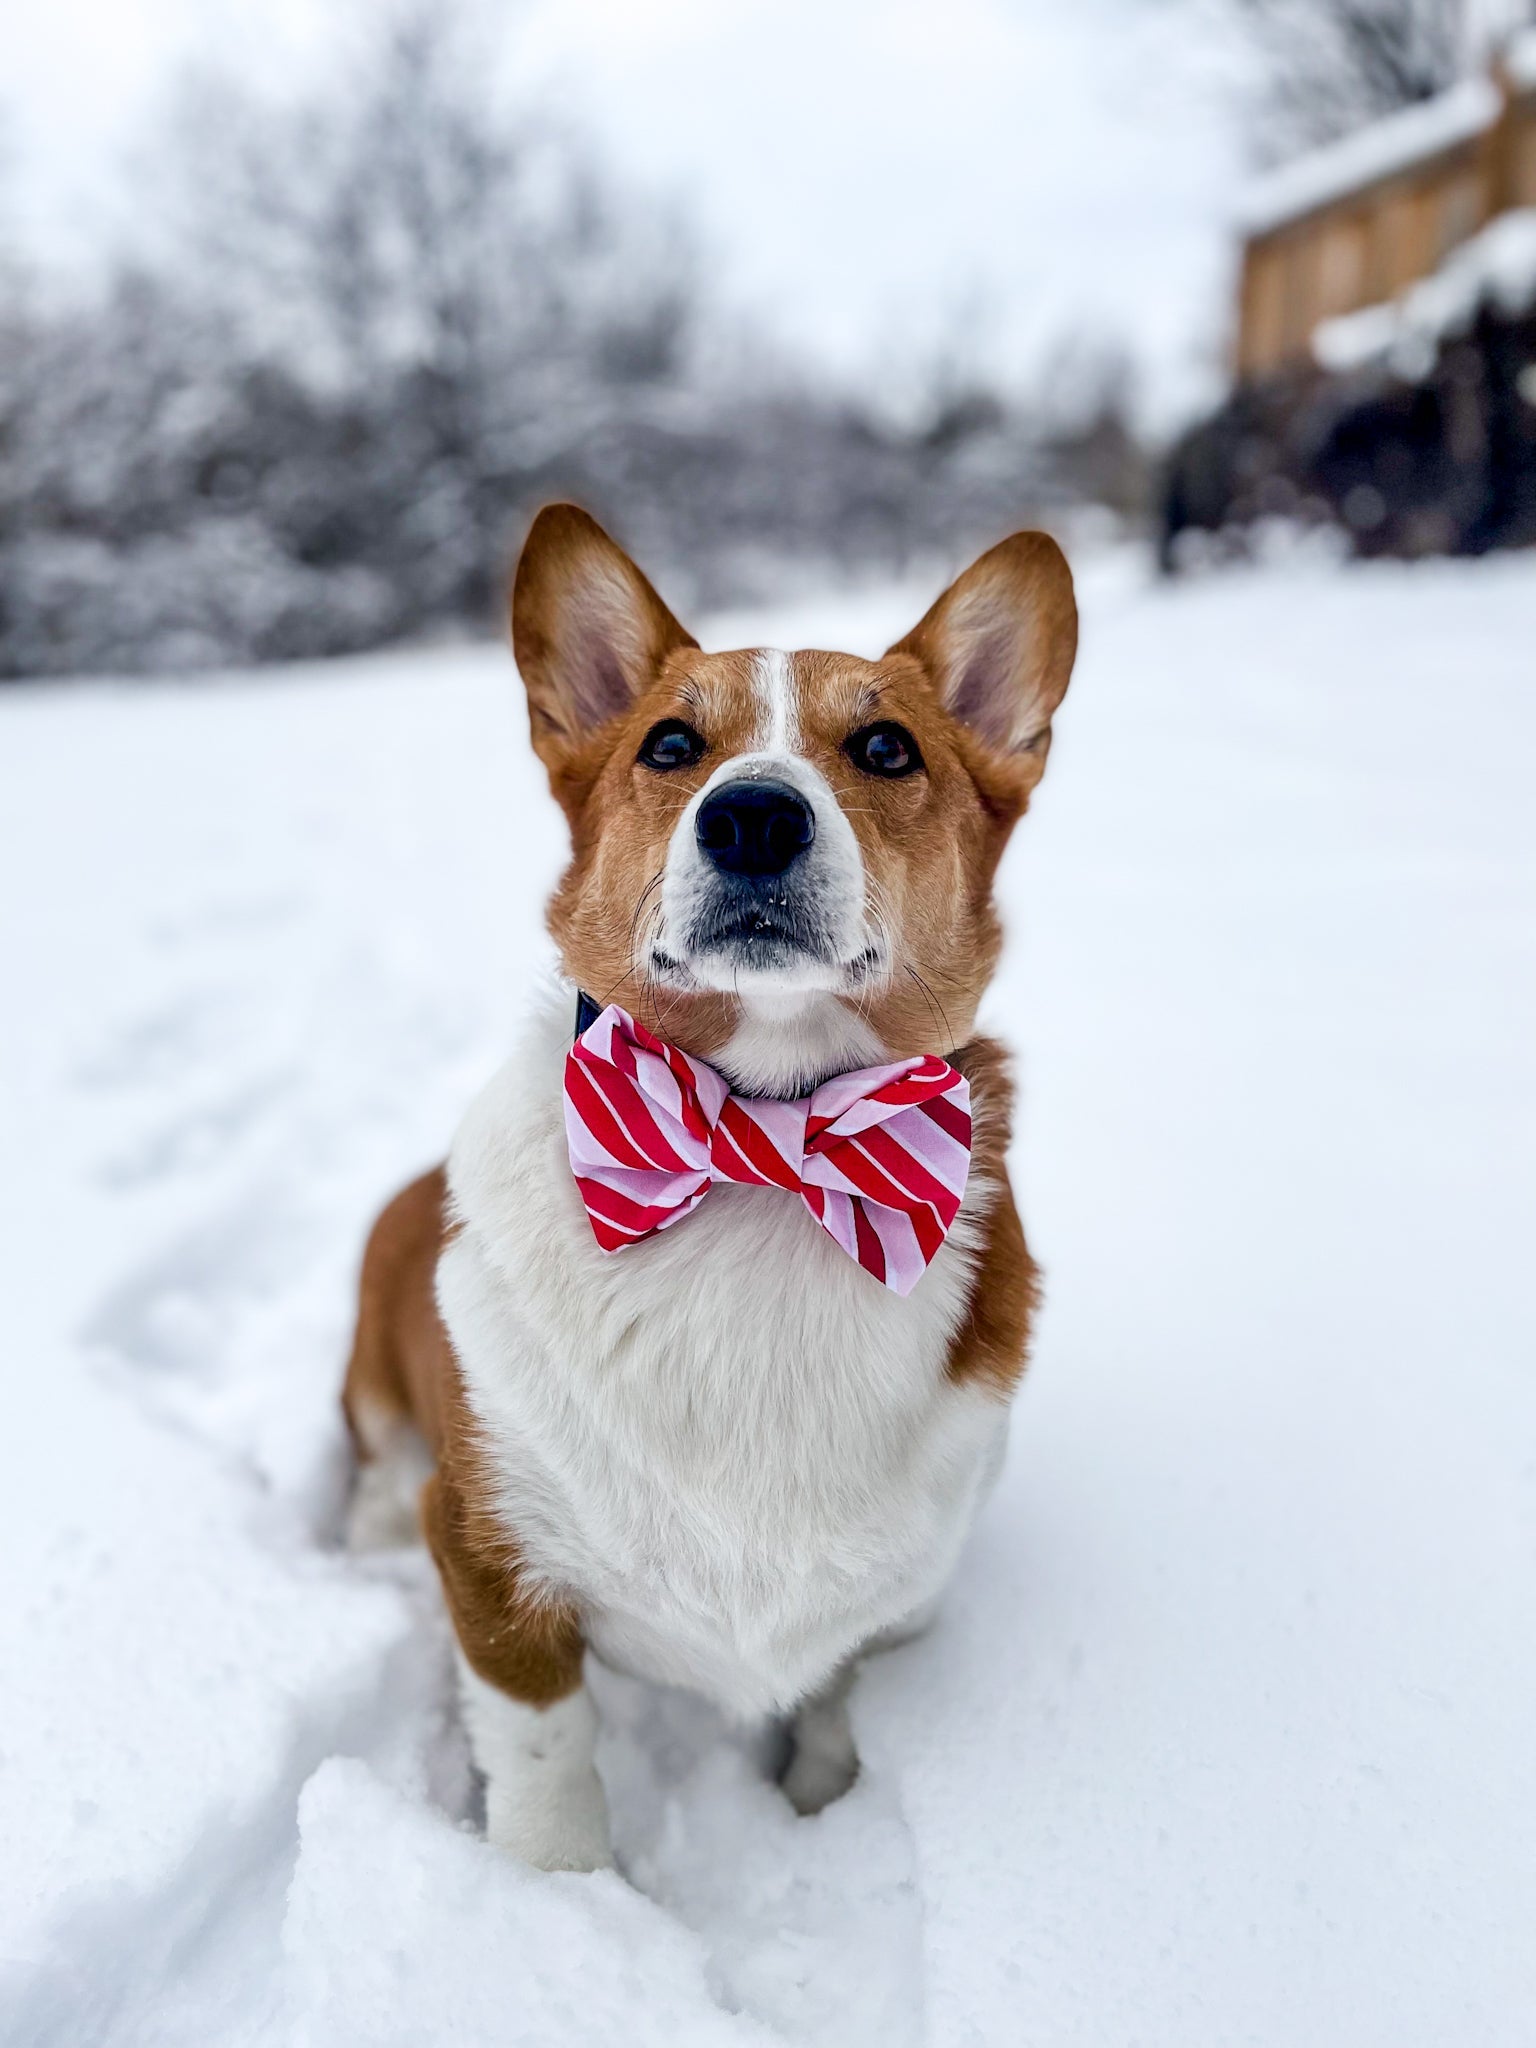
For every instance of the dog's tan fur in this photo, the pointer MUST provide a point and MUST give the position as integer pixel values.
(402, 1375)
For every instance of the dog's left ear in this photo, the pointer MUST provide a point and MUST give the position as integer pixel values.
(588, 631)
(999, 644)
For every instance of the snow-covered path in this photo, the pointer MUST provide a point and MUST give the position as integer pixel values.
(1227, 1732)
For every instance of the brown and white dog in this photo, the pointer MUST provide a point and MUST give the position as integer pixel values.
(726, 1458)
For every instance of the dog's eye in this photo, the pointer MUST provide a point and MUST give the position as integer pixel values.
(886, 749)
(672, 744)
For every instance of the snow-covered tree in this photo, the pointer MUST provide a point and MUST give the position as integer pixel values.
(371, 326)
(1330, 66)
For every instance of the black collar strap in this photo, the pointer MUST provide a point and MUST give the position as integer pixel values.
(587, 1012)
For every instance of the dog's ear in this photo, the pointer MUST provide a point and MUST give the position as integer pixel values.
(998, 646)
(588, 631)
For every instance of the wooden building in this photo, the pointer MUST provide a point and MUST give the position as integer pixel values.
(1356, 223)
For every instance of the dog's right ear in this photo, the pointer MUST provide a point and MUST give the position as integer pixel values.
(588, 632)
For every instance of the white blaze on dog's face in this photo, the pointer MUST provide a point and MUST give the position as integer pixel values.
(764, 891)
(795, 842)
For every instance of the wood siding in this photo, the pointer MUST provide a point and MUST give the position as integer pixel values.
(1370, 244)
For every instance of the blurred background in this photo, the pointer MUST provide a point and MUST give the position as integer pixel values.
(304, 306)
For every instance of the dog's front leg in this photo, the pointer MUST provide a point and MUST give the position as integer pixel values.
(823, 1763)
(543, 1798)
(532, 1725)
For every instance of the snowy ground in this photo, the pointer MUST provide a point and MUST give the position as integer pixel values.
(1227, 1733)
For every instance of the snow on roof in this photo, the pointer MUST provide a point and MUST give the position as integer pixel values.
(1520, 59)
(1497, 267)
(1356, 161)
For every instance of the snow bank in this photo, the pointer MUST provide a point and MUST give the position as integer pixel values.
(402, 1929)
(1225, 1733)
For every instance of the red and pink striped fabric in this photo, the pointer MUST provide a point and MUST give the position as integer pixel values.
(879, 1157)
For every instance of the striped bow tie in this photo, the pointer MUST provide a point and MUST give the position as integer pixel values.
(879, 1157)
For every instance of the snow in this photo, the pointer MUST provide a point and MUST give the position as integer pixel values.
(1394, 144)
(1497, 267)
(550, 1959)
(1225, 1731)
(1519, 59)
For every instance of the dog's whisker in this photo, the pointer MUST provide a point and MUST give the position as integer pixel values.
(935, 1007)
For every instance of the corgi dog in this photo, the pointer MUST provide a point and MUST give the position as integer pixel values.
(697, 1354)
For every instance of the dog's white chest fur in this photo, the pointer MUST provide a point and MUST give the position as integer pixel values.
(737, 1451)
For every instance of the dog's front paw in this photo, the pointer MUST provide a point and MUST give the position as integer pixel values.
(544, 1801)
(566, 1831)
(825, 1763)
(814, 1780)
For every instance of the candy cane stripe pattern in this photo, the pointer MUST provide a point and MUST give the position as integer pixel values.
(879, 1157)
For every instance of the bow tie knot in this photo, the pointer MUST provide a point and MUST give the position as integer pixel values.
(879, 1157)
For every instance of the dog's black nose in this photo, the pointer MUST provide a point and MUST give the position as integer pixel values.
(754, 828)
